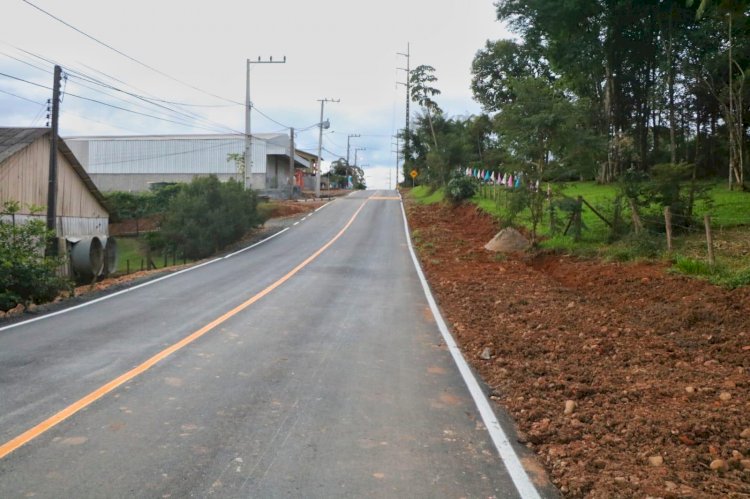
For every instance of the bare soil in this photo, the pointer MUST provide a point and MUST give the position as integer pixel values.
(652, 367)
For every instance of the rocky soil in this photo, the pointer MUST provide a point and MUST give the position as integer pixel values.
(626, 380)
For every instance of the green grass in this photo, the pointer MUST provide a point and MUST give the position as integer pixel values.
(128, 248)
(134, 250)
(730, 215)
(424, 194)
(729, 208)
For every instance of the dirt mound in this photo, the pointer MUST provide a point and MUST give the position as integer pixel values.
(627, 381)
(508, 240)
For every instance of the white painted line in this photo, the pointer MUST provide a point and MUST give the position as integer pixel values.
(521, 480)
(321, 207)
(303, 219)
(295, 223)
(258, 243)
(142, 285)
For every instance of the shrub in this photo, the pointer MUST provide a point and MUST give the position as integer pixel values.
(461, 188)
(26, 275)
(206, 216)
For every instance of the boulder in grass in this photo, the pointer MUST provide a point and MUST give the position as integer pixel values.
(508, 240)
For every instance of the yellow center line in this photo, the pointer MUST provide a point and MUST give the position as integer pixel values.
(92, 397)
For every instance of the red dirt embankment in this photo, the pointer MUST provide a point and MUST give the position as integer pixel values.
(626, 381)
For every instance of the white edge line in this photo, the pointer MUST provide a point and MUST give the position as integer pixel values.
(257, 244)
(303, 219)
(321, 207)
(142, 285)
(295, 223)
(520, 478)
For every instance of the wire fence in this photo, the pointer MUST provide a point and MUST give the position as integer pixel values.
(601, 217)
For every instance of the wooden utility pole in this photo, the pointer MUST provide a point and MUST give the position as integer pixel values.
(52, 184)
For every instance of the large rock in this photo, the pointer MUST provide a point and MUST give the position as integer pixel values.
(507, 240)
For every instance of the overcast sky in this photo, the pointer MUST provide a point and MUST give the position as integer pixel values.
(338, 49)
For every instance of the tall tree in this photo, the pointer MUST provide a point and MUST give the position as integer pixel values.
(421, 78)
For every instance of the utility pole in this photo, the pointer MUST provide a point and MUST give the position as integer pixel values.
(348, 137)
(248, 107)
(320, 144)
(408, 97)
(52, 184)
(291, 163)
(356, 150)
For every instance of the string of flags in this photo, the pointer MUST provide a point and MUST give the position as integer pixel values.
(511, 180)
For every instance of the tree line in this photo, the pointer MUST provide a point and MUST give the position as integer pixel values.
(594, 89)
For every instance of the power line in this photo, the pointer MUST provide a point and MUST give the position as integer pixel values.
(149, 101)
(127, 56)
(25, 81)
(153, 98)
(22, 98)
(93, 80)
(270, 119)
(26, 62)
(111, 105)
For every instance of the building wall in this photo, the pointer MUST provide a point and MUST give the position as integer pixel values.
(24, 178)
(162, 155)
(141, 182)
(68, 226)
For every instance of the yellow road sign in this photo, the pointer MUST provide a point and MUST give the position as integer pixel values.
(414, 173)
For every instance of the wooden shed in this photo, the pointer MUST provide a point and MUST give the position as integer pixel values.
(24, 178)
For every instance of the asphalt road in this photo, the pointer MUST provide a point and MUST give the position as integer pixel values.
(306, 377)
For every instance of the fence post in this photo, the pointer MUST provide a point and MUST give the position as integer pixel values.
(637, 224)
(127, 266)
(578, 222)
(709, 240)
(668, 226)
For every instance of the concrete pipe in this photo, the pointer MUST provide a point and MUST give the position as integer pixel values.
(87, 257)
(110, 255)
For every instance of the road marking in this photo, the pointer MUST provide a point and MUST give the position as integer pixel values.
(92, 397)
(386, 198)
(257, 244)
(521, 480)
(128, 290)
(295, 223)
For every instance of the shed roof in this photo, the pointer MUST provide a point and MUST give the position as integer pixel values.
(14, 140)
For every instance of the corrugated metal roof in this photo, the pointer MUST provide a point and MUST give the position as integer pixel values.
(13, 140)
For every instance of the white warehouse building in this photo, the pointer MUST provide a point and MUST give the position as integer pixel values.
(134, 163)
